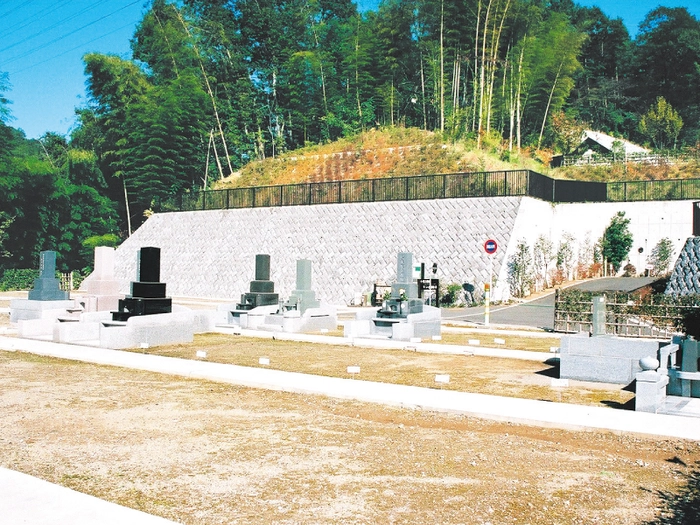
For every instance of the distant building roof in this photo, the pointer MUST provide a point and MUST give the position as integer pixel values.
(606, 142)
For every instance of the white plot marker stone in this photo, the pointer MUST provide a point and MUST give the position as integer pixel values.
(442, 378)
(354, 369)
(202, 354)
(264, 361)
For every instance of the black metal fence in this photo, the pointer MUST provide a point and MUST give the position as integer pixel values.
(514, 183)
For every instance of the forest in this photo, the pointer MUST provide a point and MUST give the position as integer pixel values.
(215, 84)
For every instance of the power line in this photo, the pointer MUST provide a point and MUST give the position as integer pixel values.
(20, 6)
(44, 30)
(71, 49)
(32, 18)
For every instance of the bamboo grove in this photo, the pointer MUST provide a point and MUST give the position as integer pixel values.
(232, 81)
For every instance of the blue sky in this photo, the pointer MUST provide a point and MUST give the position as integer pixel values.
(42, 43)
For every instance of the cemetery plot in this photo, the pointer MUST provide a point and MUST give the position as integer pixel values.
(200, 452)
(486, 375)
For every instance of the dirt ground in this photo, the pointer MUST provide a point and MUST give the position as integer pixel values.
(199, 452)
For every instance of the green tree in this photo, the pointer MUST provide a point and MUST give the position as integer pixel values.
(543, 256)
(665, 63)
(617, 240)
(114, 87)
(520, 276)
(661, 124)
(661, 257)
(600, 95)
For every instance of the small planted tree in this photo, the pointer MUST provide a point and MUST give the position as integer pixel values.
(543, 256)
(520, 276)
(661, 257)
(617, 240)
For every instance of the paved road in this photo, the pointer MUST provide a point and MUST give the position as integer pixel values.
(539, 312)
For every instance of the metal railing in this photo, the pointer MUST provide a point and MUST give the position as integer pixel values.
(627, 314)
(513, 183)
(598, 159)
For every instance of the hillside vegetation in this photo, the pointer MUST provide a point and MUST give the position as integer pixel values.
(400, 152)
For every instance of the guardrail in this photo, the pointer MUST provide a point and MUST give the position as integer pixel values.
(511, 183)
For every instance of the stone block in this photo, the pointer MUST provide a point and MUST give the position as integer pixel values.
(153, 330)
(27, 309)
(606, 359)
(36, 328)
(650, 391)
(402, 331)
(72, 332)
(357, 328)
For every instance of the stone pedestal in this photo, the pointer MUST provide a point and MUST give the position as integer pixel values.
(25, 309)
(650, 387)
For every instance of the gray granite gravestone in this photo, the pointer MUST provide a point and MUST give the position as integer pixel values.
(403, 316)
(404, 298)
(147, 294)
(46, 286)
(262, 289)
(303, 297)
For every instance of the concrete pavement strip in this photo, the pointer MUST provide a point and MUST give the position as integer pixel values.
(30, 500)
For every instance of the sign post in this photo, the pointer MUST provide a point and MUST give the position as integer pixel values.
(490, 247)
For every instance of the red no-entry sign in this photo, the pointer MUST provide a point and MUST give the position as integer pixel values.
(490, 246)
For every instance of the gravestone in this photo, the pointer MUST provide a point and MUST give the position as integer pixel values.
(303, 297)
(46, 286)
(599, 312)
(101, 288)
(404, 298)
(147, 294)
(402, 316)
(262, 289)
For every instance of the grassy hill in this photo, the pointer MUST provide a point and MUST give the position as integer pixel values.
(394, 152)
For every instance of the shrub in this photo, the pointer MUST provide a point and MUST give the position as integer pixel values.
(18, 279)
(451, 296)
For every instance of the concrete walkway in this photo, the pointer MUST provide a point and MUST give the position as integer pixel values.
(30, 500)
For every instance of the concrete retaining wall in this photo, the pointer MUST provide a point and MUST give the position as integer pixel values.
(212, 253)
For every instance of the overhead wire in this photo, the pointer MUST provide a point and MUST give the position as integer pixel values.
(20, 6)
(58, 23)
(17, 71)
(33, 18)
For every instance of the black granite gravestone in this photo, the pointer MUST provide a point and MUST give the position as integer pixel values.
(147, 294)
